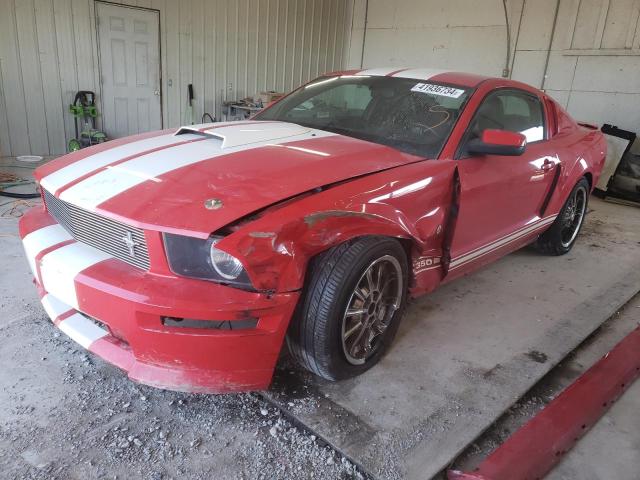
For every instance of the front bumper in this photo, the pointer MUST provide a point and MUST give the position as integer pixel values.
(115, 310)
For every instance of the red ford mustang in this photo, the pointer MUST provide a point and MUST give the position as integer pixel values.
(185, 257)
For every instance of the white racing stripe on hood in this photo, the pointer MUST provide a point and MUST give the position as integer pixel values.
(210, 125)
(108, 183)
(235, 136)
(419, 73)
(60, 178)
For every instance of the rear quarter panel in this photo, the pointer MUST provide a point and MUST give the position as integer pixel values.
(582, 151)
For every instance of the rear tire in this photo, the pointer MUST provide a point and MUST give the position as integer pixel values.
(353, 300)
(562, 234)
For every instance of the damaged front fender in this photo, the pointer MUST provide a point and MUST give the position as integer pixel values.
(277, 259)
(276, 247)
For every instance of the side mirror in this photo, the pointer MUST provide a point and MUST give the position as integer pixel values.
(498, 142)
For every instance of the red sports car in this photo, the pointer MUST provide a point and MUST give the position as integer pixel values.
(186, 257)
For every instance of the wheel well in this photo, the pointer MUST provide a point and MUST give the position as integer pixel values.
(407, 246)
(589, 178)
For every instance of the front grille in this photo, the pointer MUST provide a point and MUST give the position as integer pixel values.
(100, 232)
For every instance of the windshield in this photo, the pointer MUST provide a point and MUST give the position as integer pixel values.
(414, 116)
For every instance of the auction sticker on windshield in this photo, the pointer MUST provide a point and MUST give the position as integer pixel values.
(437, 90)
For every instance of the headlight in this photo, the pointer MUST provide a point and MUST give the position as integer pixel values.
(197, 258)
(227, 266)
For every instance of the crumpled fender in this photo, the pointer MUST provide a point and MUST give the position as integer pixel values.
(276, 247)
(277, 259)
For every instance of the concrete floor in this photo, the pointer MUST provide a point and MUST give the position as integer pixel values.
(611, 449)
(467, 352)
(463, 356)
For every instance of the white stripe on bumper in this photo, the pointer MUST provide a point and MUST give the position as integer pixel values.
(82, 330)
(54, 307)
(59, 268)
(78, 327)
(38, 240)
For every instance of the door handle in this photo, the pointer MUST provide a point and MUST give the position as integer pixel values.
(547, 165)
(156, 92)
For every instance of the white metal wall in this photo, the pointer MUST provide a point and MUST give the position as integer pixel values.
(227, 49)
(590, 61)
(466, 35)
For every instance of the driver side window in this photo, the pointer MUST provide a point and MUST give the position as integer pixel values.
(511, 110)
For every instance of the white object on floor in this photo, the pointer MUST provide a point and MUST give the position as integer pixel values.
(29, 158)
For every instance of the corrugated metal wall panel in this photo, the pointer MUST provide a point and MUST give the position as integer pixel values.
(227, 49)
(14, 97)
(4, 121)
(31, 75)
(52, 89)
(64, 32)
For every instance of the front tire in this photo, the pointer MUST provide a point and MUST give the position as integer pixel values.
(562, 234)
(354, 298)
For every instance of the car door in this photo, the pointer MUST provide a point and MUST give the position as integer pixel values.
(501, 198)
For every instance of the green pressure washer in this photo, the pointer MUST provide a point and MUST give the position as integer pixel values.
(85, 112)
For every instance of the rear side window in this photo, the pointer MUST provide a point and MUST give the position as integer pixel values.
(511, 110)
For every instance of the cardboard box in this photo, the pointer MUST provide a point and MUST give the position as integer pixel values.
(270, 96)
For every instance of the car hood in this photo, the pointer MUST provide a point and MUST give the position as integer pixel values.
(203, 177)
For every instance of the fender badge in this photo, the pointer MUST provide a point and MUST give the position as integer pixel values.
(213, 204)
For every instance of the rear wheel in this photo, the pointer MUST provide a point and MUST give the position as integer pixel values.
(354, 297)
(562, 234)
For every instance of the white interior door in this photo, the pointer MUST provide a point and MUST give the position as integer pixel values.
(129, 44)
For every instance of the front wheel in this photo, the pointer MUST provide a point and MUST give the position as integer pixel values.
(562, 234)
(354, 297)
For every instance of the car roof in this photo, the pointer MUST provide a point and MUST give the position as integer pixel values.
(435, 75)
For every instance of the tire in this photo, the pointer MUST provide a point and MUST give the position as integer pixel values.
(315, 337)
(562, 235)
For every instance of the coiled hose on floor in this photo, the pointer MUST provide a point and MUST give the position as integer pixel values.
(8, 180)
